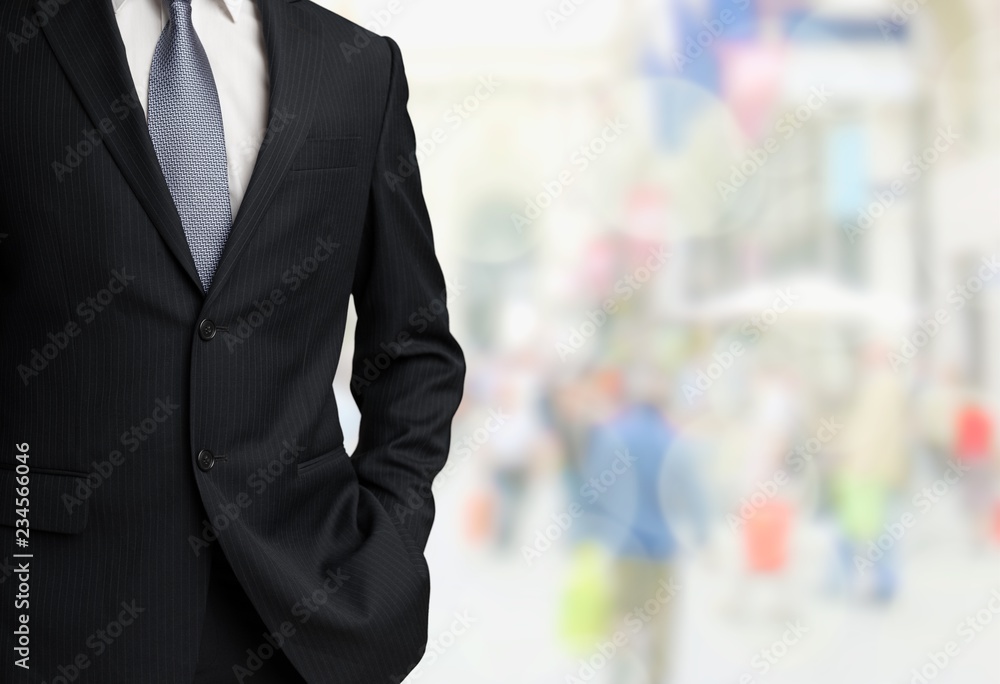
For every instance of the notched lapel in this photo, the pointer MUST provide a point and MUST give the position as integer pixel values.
(294, 51)
(87, 44)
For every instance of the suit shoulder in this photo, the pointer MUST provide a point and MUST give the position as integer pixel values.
(348, 37)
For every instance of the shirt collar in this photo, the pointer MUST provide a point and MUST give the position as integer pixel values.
(232, 6)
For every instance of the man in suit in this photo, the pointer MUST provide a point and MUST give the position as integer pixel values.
(193, 191)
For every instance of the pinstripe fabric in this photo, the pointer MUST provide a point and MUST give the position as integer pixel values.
(104, 374)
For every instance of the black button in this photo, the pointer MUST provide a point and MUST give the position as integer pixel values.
(206, 329)
(206, 459)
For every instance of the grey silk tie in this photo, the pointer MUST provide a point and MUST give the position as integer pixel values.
(185, 124)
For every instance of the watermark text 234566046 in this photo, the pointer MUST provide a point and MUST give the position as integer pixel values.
(22, 573)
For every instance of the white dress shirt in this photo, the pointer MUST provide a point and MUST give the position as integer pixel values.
(231, 32)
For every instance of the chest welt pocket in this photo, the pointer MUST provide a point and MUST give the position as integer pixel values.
(52, 504)
(327, 153)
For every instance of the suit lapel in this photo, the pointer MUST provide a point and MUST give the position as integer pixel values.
(85, 39)
(294, 47)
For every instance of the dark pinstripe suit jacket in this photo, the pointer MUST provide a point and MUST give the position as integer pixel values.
(158, 418)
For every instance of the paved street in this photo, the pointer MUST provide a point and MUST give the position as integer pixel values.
(724, 619)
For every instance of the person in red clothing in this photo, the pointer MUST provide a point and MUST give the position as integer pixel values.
(974, 452)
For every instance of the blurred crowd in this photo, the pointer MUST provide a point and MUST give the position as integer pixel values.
(723, 271)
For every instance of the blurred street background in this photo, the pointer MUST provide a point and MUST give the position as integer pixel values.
(727, 276)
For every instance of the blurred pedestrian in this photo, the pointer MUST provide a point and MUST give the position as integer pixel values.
(641, 477)
(515, 442)
(974, 454)
(869, 474)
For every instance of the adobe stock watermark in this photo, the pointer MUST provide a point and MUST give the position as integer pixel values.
(472, 443)
(97, 644)
(6, 569)
(257, 482)
(751, 330)
(93, 138)
(900, 16)
(418, 496)
(625, 288)
(304, 609)
(713, 29)
(968, 630)
(31, 24)
(632, 625)
(914, 169)
(757, 156)
(796, 460)
(580, 160)
(248, 148)
(130, 440)
(923, 502)
(372, 368)
(591, 491)
(87, 311)
(237, 334)
(437, 646)
(563, 12)
(377, 22)
(930, 327)
(769, 656)
(454, 117)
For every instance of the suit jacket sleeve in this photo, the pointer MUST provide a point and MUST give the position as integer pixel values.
(408, 370)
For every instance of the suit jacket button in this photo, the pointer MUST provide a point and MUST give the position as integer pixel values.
(206, 329)
(206, 459)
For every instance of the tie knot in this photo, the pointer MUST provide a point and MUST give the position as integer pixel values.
(181, 9)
